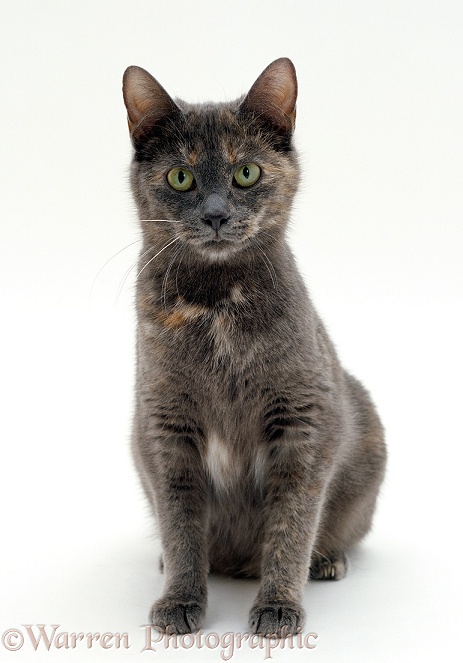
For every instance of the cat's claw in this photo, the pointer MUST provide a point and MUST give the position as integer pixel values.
(328, 567)
(276, 619)
(171, 616)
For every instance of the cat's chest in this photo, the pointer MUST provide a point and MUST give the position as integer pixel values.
(225, 329)
(228, 467)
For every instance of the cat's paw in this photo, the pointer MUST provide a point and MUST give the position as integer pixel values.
(328, 567)
(174, 616)
(278, 619)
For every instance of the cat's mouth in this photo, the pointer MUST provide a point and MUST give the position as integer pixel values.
(216, 240)
(217, 247)
(218, 244)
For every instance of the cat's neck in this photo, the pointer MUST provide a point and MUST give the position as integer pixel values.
(198, 280)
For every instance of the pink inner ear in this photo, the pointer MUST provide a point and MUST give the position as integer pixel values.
(285, 92)
(275, 92)
(140, 100)
(144, 96)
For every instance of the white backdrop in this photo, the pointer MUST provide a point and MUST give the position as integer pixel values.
(377, 231)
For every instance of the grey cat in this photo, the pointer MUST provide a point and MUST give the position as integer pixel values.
(261, 457)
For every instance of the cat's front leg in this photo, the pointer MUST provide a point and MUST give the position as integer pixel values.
(294, 494)
(180, 491)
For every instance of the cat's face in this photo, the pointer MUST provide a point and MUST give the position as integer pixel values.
(215, 178)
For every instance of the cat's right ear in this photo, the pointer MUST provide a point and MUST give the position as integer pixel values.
(146, 101)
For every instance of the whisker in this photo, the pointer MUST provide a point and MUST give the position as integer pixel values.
(166, 277)
(157, 254)
(164, 220)
(271, 269)
(268, 234)
(178, 267)
(108, 261)
(128, 271)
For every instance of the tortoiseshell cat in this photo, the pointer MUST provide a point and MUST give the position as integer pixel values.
(260, 455)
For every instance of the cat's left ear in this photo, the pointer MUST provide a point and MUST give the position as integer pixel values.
(273, 96)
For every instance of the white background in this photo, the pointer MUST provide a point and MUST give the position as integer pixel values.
(377, 230)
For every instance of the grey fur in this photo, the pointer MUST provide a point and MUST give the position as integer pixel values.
(260, 455)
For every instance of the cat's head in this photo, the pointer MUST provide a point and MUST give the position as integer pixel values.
(218, 178)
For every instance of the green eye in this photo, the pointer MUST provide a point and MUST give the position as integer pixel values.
(180, 179)
(247, 175)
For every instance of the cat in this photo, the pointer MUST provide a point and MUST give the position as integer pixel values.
(260, 456)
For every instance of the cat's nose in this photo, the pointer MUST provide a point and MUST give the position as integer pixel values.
(215, 211)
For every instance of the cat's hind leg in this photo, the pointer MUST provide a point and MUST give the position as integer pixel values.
(348, 511)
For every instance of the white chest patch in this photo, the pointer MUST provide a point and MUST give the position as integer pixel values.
(219, 463)
(225, 468)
